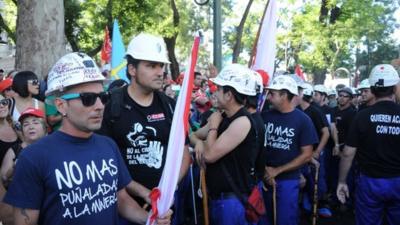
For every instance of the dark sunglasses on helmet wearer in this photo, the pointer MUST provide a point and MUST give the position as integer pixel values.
(88, 98)
(4, 102)
(34, 82)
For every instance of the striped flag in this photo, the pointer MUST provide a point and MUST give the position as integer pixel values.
(264, 51)
(118, 61)
(162, 197)
(264, 56)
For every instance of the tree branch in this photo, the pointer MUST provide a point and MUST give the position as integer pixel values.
(239, 33)
(10, 33)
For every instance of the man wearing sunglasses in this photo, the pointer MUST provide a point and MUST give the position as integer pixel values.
(74, 176)
(142, 127)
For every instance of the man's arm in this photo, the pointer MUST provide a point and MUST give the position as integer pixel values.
(334, 134)
(215, 147)
(130, 210)
(303, 158)
(136, 189)
(344, 166)
(26, 216)
(322, 142)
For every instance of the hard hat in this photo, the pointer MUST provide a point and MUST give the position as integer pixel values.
(148, 47)
(332, 91)
(321, 88)
(300, 82)
(241, 78)
(346, 90)
(308, 89)
(71, 69)
(284, 82)
(383, 75)
(364, 84)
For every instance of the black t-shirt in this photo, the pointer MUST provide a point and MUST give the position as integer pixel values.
(343, 119)
(375, 132)
(141, 134)
(239, 162)
(317, 118)
(261, 159)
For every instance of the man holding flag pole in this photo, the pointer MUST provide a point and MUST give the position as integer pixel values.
(139, 117)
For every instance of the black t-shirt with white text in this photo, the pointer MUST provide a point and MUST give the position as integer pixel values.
(141, 134)
(375, 132)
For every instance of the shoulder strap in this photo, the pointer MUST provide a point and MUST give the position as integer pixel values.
(12, 106)
(166, 103)
(116, 103)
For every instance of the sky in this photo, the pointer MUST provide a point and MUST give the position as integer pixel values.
(396, 34)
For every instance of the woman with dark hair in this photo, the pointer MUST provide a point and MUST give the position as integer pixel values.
(8, 138)
(25, 84)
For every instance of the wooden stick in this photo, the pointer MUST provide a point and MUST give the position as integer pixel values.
(274, 201)
(205, 195)
(315, 197)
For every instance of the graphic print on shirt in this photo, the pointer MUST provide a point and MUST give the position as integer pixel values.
(278, 137)
(144, 152)
(87, 189)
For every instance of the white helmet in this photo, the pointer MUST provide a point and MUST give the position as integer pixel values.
(321, 88)
(300, 82)
(383, 75)
(71, 69)
(364, 84)
(284, 82)
(241, 78)
(308, 89)
(148, 47)
(332, 91)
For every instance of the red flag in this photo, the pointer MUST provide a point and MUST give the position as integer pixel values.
(106, 49)
(299, 72)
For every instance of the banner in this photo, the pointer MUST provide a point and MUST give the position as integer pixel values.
(163, 196)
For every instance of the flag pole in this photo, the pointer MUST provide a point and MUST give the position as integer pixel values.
(253, 52)
(205, 195)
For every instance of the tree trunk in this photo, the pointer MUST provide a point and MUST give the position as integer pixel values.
(239, 33)
(171, 42)
(40, 35)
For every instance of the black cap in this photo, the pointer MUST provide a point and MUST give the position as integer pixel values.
(346, 90)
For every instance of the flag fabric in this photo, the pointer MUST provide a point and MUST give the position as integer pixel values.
(264, 56)
(299, 72)
(118, 61)
(105, 53)
(162, 196)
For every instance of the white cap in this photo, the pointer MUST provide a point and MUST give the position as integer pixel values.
(148, 47)
(308, 89)
(71, 69)
(383, 75)
(241, 78)
(284, 82)
(259, 82)
(321, 88)
(364, 84)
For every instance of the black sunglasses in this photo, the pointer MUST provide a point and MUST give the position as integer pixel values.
(4, 102)
(34, 82)
(88, 98)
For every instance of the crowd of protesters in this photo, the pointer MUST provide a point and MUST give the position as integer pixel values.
(76, 151)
